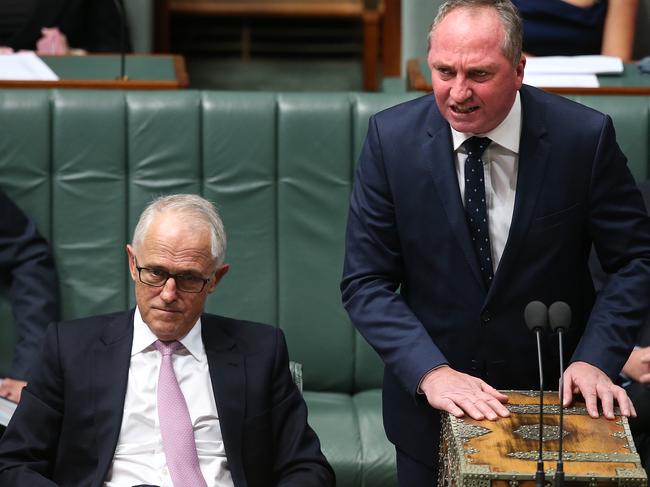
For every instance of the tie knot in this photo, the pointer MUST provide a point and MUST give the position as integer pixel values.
(476, 145)
(167, 348)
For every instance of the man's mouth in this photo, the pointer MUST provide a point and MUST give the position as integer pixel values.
(467, 109)
(167, 310)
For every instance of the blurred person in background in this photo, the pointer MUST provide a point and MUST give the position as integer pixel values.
(56, 27)
(577, 27)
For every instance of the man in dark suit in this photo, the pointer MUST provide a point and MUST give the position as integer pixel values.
(27, 267)
(471, 203)
(164, 394)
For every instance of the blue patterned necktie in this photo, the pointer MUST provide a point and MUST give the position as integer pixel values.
(475, 205)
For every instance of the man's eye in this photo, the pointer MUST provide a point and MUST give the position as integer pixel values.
(479, 74)
(157, 273)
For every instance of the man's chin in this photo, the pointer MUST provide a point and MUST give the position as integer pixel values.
(165, 331)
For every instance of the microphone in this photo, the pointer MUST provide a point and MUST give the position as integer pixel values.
(559, 315)
(120, 11)
(536, 318)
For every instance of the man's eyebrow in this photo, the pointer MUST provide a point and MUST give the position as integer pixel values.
(184, 272)
(439, 65)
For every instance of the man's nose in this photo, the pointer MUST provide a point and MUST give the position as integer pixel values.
(169, 291)
(460, 90)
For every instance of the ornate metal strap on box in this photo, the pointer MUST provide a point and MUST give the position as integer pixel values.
(503, 453)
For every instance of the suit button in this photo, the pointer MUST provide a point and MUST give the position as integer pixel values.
(486, 316)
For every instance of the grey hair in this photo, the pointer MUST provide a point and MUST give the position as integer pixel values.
(193, 206)
(510, 20)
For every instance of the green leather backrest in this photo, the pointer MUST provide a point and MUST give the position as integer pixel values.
(631, 116)
(279, 166)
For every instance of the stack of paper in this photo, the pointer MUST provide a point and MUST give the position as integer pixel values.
(7, 409)
(25, 66)
(570, 71)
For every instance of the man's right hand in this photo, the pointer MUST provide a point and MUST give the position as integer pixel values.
(460, 394)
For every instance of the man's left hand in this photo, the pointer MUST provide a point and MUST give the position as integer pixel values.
(594, 384)
(11, 388)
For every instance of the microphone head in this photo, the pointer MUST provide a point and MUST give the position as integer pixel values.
(536, 316)
(559, 315)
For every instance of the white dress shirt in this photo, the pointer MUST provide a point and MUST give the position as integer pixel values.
(500, 167)
(139, 456)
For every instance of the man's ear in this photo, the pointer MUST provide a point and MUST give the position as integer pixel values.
(519, 71)
(131, 258)
(218, 275)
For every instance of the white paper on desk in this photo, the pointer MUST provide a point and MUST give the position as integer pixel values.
(545, 80)
(574, 64)
(25, 66)
(7, 409)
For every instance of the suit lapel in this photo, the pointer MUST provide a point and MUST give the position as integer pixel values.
(533, 159)
(111, 359)
(228, 375)
(439, 150)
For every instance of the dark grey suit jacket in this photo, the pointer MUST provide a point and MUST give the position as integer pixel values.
(27, 267)
(66, 427)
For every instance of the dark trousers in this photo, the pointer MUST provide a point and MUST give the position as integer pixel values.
(411, 473)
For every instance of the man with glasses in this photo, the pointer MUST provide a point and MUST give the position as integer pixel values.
(164, 394)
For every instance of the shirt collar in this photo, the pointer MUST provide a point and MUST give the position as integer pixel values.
(506, 134)
(143, 338)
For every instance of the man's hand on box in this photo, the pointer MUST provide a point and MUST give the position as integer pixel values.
(460, 394)
(594, 385)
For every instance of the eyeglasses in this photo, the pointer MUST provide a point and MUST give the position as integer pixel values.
(189, 283)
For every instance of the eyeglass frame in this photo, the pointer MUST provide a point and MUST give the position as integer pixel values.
(169, 274)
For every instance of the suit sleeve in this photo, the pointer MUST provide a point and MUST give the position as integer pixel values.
(298, 459)
(373, 271)
(28, 447)
(620, 230)
(26, 260)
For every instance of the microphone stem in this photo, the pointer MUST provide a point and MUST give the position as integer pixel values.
(539, 475)
(120, 10)
(559, 471)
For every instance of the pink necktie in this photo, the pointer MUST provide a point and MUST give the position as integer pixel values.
(175, 424)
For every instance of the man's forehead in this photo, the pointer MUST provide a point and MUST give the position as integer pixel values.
(175, 249)
(464, 22)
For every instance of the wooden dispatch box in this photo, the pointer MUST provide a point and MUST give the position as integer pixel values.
(503, 453)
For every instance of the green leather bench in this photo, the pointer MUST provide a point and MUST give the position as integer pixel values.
(279, 167)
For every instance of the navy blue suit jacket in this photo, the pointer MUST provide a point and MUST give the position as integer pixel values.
(66, 427)
(26, 265)
(411, 282)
